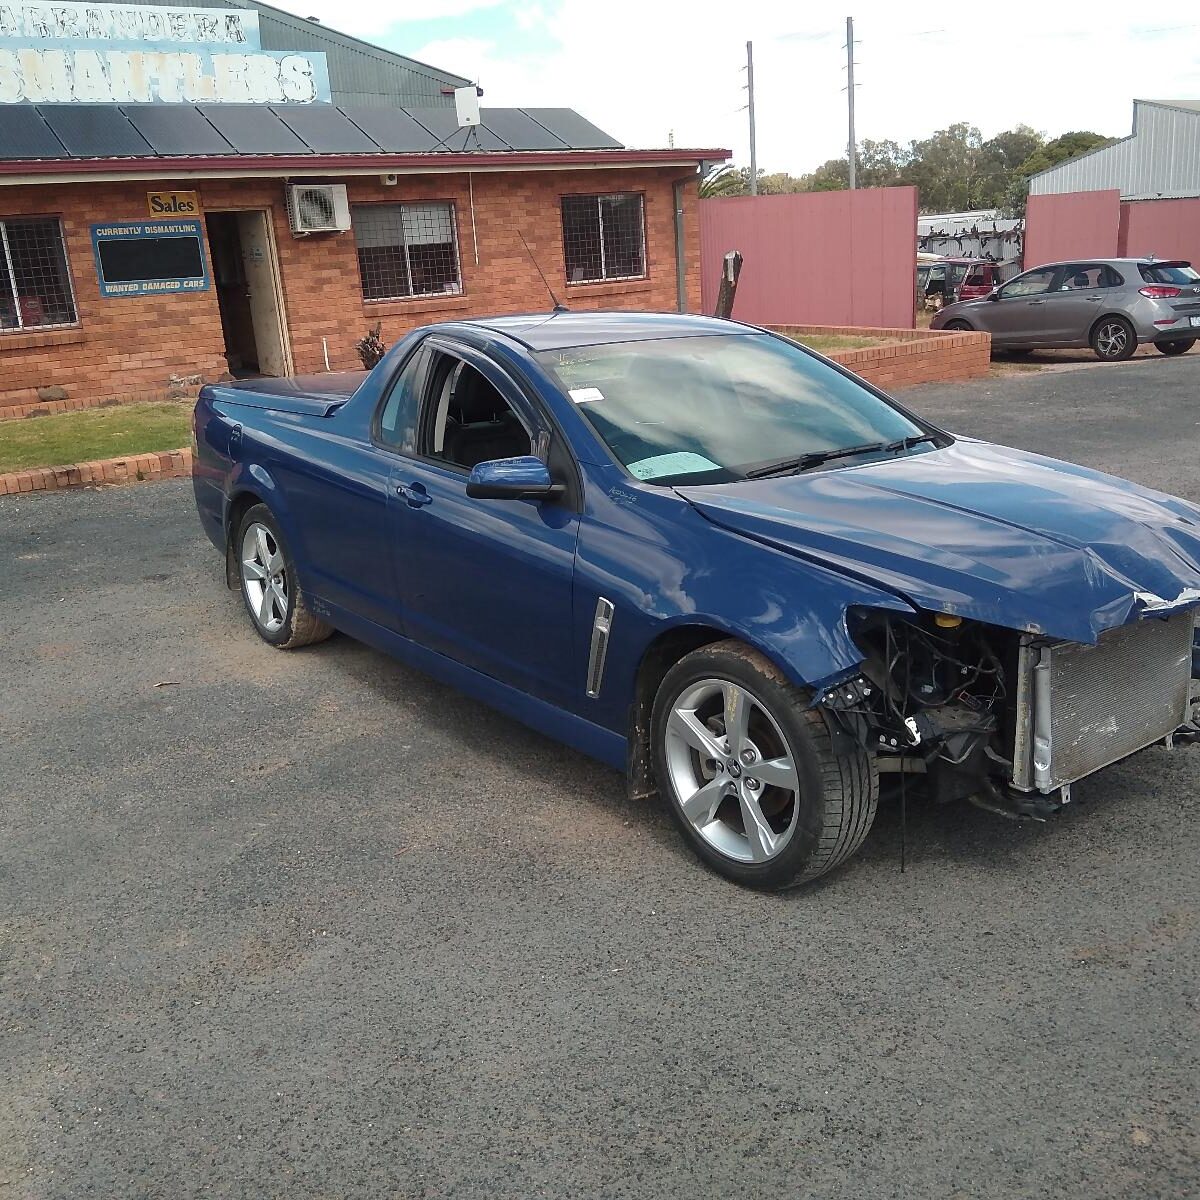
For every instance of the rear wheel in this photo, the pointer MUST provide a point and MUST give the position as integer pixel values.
(270, 585)
(1179, 346)
(1113, 339)
(957, 326)
(750, 772)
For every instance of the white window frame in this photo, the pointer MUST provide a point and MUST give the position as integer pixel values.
(10, 273)
(411, 295)
(604, 277)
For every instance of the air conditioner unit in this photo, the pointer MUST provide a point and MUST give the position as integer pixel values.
(317, 208)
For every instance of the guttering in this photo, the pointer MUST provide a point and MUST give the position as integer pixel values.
(260, 166)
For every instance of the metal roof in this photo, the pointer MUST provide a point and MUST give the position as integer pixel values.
(359, 73)
(1159, 160)
(215, 131)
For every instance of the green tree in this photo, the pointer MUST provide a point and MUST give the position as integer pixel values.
(1059, 149)
(725, 181)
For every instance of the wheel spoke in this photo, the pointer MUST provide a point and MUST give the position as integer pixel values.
(262, 550)
(758, 832)
(778, 771)
(280, 599)
(254, 569)
(701, 806)
(264, 606)
(737, 716)
(688, 726)
(275, 562)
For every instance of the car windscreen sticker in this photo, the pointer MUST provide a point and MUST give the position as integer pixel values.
(585, 395)
(682, 462)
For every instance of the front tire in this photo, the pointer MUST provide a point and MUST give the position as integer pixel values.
(270, 585)
(750, 772)
(957, 326)
(1179, 346)
(1113, 339)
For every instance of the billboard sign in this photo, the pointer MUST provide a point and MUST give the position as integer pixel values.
(62, 53)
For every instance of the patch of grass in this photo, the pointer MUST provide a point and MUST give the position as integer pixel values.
(66, 438)
(823, 343)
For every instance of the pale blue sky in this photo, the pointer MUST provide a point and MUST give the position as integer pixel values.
(647, 69)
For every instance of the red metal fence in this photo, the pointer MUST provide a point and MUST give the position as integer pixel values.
(827, 258)
(1102, 225)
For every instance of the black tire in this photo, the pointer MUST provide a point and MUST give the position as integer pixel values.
(958, 326)
(1178, 346)
(831, 811)
(296, 624)
(1113, 339)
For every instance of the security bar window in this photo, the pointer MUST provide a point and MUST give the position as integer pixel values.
(406, 250)
(35, 285)
(604, 237)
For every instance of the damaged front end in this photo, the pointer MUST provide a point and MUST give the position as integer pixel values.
(1008, 719)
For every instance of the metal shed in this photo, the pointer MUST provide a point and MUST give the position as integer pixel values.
(1159, 160)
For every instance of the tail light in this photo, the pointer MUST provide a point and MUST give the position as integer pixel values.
(1158, 291)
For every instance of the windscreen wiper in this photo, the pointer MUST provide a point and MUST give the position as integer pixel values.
(906, 443)
(805, 462)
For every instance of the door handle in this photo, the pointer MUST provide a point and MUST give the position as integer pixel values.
(1094, 299)
(414, 494)
(1037, 302)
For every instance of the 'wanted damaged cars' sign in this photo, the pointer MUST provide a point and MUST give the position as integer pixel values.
(149, 258)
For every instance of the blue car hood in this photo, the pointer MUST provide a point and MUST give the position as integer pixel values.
(983, 531)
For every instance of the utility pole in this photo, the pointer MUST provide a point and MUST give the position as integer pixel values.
(851, 146)
(750, 107)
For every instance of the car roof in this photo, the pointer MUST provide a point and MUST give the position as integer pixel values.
(560, 330)
(1141, 260)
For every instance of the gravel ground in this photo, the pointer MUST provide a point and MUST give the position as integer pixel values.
(311, 926)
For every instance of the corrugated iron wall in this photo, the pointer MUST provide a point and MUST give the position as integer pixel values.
(1101, 225)
(816, 258)
(1077, 225)
(1164, 228)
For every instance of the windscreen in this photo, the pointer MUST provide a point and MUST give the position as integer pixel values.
(1179, 274)
(713, 409)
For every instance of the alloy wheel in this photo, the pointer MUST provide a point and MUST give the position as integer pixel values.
(264, 577)
(731, 770)
(1112, 339)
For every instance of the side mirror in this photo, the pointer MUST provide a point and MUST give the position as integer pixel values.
(524, 478)
(994, 294)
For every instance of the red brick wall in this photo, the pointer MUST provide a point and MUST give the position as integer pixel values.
(131, 346)
(909, 356)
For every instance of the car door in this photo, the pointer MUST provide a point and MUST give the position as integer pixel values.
(1015, 317)
(341, 499)
(1074, 303)
(486, 582)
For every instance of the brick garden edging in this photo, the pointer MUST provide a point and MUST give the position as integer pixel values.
(909, 357)
(132, 468)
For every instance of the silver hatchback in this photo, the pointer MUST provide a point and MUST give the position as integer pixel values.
(1110, 304)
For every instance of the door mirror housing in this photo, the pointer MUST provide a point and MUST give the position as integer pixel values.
(994, 294)
(523, 478)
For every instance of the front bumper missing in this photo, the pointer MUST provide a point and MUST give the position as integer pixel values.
(1080, 708)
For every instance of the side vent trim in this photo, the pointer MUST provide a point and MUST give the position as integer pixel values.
(601, 627)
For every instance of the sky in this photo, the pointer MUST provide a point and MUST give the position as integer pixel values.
(647, 71)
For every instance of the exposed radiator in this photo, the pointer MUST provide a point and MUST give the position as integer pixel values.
(1080, 708)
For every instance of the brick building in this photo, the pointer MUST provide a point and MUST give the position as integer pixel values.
(143, 245)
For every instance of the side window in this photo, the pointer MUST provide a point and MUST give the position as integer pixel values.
(1032, 283)
(397, 422)
(980, 277)
(1110, 277)
(467, 420)
(1080, 277)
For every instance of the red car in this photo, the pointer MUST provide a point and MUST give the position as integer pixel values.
(958, 278)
